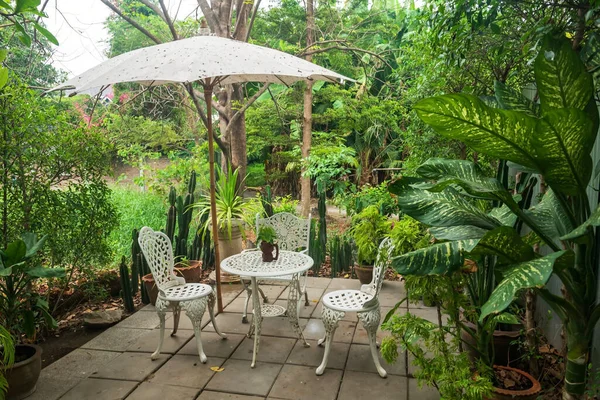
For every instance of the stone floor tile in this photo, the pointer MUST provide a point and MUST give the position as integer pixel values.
(51, 387)
(271, 291)
(213, 345)
(361, 336)
(185, 322)
(78, 364)
(272, 349)
(140, 320)
(171, 344)
(341, 283)
(365, 385)
(155, 391)
(397, 287)
(209, 395)
(313, 355)
(280, 326)
(188, 371)
(237, 305)
(421, 393)
(115, 339)
(305, 311)
(238, 378)
(315, 282)
(230, 323)
(296, 382)
(131, 367)
(360, 359)
(100, 389)
(344, 332)
(230, 291)
(314, 294)
(148, 307)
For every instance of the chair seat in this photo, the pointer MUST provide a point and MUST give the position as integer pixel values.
(346, 300)
(188, 291)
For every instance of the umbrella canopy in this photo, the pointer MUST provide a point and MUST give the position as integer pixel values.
(210, 61)
(226, 61)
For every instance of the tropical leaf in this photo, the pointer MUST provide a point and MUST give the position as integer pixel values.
(505, 243)
(32, 244)
(41, 272)
(529, 274)
(497, 133)
(563, 141)
(46, 33)
(447, 208)
(461, 232)
(581, 230)
(438, 259)
(550, 217)
(504, 215)
(26, 5)
(561, 78)
(510, 99)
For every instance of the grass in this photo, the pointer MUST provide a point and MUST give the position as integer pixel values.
(136, 209)
(256, 175)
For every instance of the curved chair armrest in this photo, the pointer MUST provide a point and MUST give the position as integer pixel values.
(374, 302)
(180, 280)
(368, 288)
(247, 250)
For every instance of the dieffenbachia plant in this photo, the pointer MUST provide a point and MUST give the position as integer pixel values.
(554, 141)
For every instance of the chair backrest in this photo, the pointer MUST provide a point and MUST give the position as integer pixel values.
(158, 251)
(384, 255)
(293, 233)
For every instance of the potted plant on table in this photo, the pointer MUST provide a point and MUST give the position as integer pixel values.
(22, 310)
(369, 228)
(266, 238)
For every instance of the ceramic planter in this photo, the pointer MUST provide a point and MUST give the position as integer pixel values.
(364, 273)
(190, 271)
(528, 394)
(23, 376)
(506, 349)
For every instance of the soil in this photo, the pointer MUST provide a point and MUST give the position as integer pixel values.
(510, 380)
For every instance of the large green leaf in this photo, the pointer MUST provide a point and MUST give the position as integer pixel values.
(561, 78)
(504, 215)
(529, 274)
(26, 5)
(510, 99)
(41, 272)
(497, 133)
(438, 259)
(563, 141)
(14, 253)
(593, 220)
(33, 245)
(550, 217)
(505, 243)
(461, 232)
(46, 33)
(447, 208)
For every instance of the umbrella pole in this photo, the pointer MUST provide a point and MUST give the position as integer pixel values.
(208, 88)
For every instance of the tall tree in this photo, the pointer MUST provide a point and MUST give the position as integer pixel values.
(307, 115)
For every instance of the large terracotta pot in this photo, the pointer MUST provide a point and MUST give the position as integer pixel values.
(364, 273)
(190, 271)
(506, 348)
(229, 246)
(528, 394)
(23, 376)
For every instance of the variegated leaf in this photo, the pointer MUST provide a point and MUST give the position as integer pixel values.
(497, 133)
(504, 215)
(438, 259)
(446, 208)
(561, 78)
(461, 232)
(510, 99)
(563, 141)
(593, 220)
(550, 217)
(529, 274)
(505, 243)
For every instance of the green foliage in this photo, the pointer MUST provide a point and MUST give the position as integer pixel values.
(408, 234)
(256, 175)
(7, 346)
(22, 310)
(126, 289)
(184, 219)
(285, 204)
(266, 199)
(369, 228)
(341, 253)
(266, 234)
(367, 196)
(315, 251)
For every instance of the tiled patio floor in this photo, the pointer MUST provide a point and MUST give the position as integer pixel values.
(117, 364)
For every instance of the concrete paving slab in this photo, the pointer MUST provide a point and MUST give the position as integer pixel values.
(365, 385)
(361, 336)
(140, 320)
(297, 382)
(272, 349)
(360, 359)
(315, 330)
(148, 307)
(78, 364)
(430, 314)
(209, 395)
(238, 378)
(313, 355)
(237, 305)
(305, 311)
(349, 316)
(230, 323)
(155, 391)
(100, 389)
(171, 344)
(280, 326)
(116, 339)
(50, 387)
(187, 371)
(314, 294)
(316, 282)
(341, 283)
(415, 392)
(214, 345)
(131, 367)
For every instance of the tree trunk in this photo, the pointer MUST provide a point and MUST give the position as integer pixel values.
(307, 115)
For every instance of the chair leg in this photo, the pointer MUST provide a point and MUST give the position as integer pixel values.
(161, 310)
(176, 315)
(211, 311)
(246, 302)
(330, 318)
(370, 320)
(194, 309)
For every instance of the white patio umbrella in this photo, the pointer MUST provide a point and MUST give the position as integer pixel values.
(210, 61)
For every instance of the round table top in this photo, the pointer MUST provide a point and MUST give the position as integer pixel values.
(250, 263)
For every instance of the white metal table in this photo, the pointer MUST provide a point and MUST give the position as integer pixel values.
(250, 264)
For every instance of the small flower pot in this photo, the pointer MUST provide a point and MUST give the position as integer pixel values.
(527, 394)
(23, 375)
(364, 273)
(267, 251)
(190, 272)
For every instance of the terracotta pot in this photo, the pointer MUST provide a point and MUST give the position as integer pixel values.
(23, 376)
(229, 246)
(267, 251)
(151, 288)
(528, 394)
(190, 271)
(506, 349)
(364, 273)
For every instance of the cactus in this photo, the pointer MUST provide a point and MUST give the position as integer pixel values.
(267, 201)
(126, 292)
(314, 247)
(171, 215)
(184, 218)
(340, 254)
(322, 223)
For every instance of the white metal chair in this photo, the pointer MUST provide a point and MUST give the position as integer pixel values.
(173, 292)
(365, 302)
(293, 234)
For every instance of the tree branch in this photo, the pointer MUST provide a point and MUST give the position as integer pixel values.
(204, 117)
(154, 8)
(131, 21)
(168, 20)
(238, 20)
(252, 18)
(251, 100)
(210, 16)
(343, 48)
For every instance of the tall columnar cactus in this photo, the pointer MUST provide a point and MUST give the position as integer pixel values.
(171, 215)
(184, 218)
(139, 268)
(340, 254)
(322, 223)
(126, 292)
(267, 201)
(314, 247)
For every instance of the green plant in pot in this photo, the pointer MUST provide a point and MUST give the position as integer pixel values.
(369, 228)
(22, 310)
(552, 139)
(267, 238)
